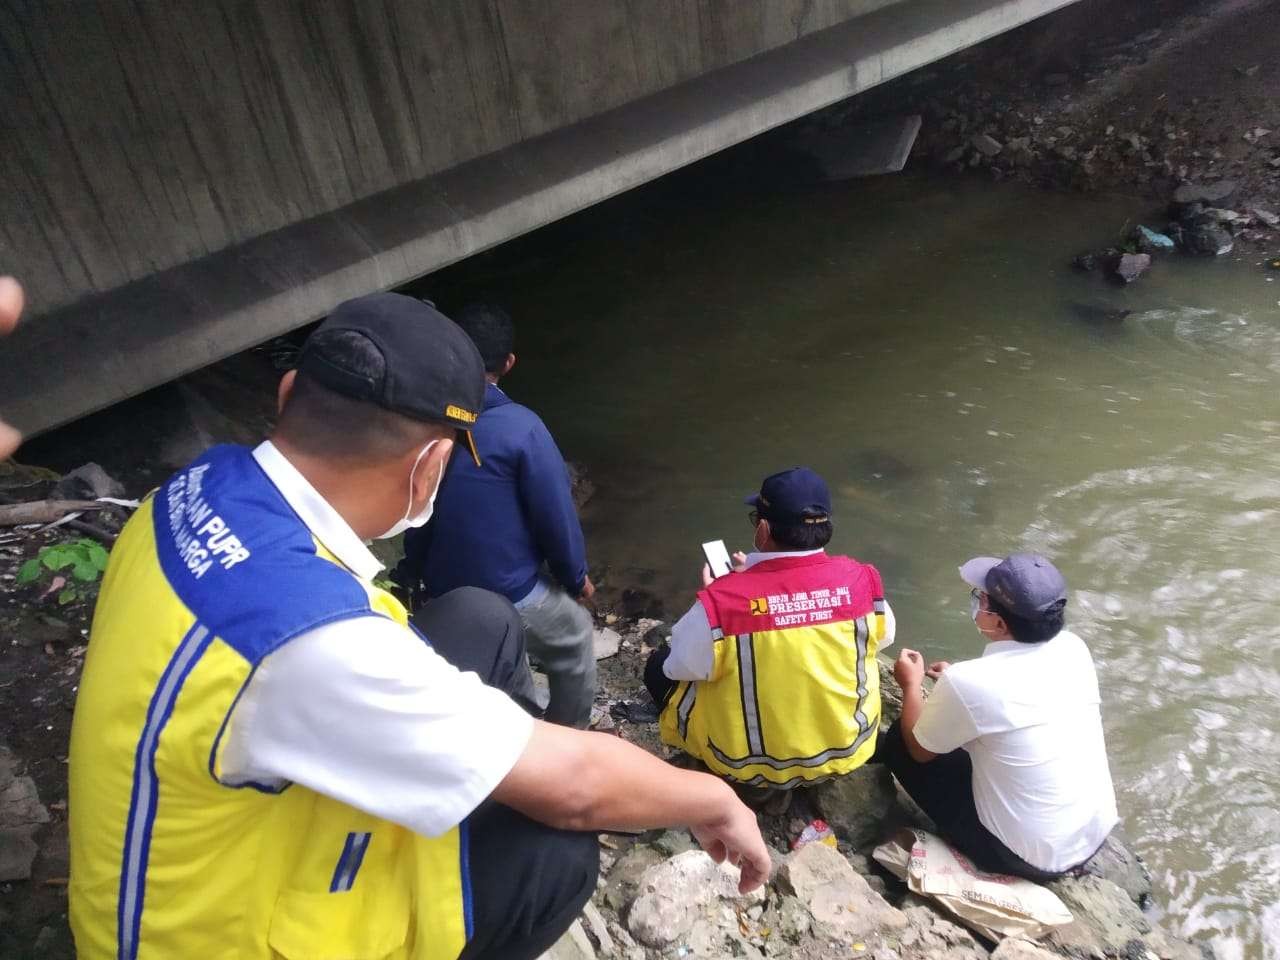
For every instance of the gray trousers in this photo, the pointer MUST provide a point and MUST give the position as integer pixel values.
(559, 633)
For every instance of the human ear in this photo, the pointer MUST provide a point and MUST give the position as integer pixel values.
(509, 364)
(431, 469)
(285, 390)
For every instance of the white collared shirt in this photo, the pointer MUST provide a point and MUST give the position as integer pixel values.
(363, 711)
(693, 649)
(1028, 715)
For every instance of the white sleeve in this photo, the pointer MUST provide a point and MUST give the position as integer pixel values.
(946, 723)
(890, 627)
(363, 711)
(692, 649)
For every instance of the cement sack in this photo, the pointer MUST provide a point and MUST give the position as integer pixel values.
(996, 905)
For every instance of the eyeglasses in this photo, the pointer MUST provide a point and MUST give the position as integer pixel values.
(977, 597)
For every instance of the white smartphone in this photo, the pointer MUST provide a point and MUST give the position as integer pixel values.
(717, 557)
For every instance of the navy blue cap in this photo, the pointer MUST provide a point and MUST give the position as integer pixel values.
(793, 496)
(1025, 584)
(429, 368)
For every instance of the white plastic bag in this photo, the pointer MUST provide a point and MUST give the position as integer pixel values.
(996, 905)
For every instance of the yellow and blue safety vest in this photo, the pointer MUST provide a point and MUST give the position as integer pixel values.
(794, 692)
(168, 860)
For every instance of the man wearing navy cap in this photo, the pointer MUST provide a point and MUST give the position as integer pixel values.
(770, 678)
(1007, 754)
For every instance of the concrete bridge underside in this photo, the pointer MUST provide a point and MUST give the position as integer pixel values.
(181, 180)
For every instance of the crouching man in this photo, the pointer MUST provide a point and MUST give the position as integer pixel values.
(770, 679)
(1007, 755)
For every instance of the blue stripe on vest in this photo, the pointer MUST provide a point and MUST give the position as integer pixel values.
(344, 873)
(464, 858)
(146, 789)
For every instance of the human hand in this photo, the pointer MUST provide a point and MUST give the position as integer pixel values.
(707, 578)
(588, 591)
(11, 303)
(937, 668)
(908, 669)
(739, 561)
(735, 836)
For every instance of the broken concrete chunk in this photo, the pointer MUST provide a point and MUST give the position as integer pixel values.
(674, 893)
(606, 642)
(839, 899)
(987, 145)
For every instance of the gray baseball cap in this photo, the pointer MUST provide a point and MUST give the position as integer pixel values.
(1025, 584)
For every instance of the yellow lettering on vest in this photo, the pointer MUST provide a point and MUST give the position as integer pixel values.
(759, 606)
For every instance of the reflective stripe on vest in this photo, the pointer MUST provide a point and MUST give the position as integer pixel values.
(795, 697)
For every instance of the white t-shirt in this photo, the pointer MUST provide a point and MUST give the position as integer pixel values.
(363, 711)
(1028, 715)
(693, 645)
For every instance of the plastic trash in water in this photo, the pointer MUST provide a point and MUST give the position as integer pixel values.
(815, 831)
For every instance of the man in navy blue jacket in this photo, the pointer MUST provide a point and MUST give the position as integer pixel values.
(496, 525)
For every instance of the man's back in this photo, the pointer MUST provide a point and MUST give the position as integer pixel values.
(1040, 775)
(497, 523)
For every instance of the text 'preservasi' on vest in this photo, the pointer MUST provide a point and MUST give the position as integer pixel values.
(200, 535)
(813, 606)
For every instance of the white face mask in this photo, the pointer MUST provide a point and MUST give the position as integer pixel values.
(406, 522)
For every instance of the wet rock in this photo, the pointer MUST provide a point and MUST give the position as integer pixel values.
(1266, 216)
(1149, 241)
(21, 815)
(986, 145)
(857, 804)
(1086, 262)
(890, 696)
(672, 842)
(606, 642)
(1132, 266)
(573, 945)
(841, 903)
(87, 482)
(1114, 861)
(674, 894)
(929, 936)
(17, 853)
(1207, 239)
(1107, 924)
(1204, 192)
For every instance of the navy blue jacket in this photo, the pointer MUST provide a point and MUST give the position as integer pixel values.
(496, 524)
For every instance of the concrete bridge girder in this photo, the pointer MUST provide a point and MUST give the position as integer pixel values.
(191, 179)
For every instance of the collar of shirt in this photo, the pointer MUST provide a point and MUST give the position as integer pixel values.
(1003, 646)
(756, 557)
(312, 509)
(494, 396)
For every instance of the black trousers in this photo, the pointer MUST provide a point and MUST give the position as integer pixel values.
(943, 788)
(659, 685)
(528, 881)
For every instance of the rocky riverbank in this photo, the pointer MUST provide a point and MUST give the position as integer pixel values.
(659, 897)
(1134, 98)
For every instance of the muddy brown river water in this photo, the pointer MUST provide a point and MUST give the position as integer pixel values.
(926, 347)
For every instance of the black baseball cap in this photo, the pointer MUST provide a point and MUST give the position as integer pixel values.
(431, 370)
(1025, 584)
(793, 496)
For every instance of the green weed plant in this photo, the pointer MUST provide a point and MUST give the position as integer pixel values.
(84, 560)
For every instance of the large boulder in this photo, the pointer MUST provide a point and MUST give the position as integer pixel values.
(622, 883)
(676, 893)
(857, 806)
(1207, 239)
(1015, 949)
(842, 905)
(1109, 926)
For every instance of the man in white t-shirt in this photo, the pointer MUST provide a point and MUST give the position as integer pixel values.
(1007, 754)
